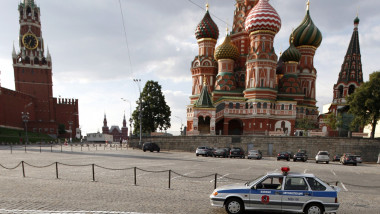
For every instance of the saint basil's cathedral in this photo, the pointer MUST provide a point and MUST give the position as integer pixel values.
(242, 87)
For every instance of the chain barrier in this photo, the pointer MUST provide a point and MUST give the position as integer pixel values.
(10, 168)
(80, 165)
(195, 177)
(144, 170)
(38, 166)
(113, 169)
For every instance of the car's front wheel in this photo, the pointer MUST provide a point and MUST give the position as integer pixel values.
(314, 209)
(234, 206)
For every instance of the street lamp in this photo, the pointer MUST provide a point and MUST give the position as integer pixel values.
(71, 131)
(25, 118)
(181, 125)
(137, 81)
(130, 115)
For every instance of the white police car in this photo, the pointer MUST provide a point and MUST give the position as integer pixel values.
(289, 192)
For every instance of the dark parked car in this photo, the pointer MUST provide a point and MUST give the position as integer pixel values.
(220, 153)
(283, 155)
(348, 159)
(237, 152)
(300, 156)
(151, 147)
(204, 151)
(336, 158)
(358, 159)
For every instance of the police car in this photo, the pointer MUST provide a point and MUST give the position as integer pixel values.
(281, 192)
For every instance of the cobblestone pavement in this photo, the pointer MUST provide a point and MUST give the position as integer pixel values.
(114, 191)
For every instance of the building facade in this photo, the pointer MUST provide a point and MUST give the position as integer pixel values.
(33, 96)
(350, 78)
(251, 89)
(117, 134)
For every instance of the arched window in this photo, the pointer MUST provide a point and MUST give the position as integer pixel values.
(340, 93)
(351, 89)
(36, 61)
(258, 105)
(264, 105)
(246, 106)
(29, 11)
(290, 107)
(282, 107)
(237, 105)
(230, 105)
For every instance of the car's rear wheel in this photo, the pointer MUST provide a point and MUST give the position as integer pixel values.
(327, 162)
(234, 206)
(314, 209)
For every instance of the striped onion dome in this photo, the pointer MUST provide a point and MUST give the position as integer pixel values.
(207, 28)
(263, 17)
(307, 33)
(291, 54)
(226, 50)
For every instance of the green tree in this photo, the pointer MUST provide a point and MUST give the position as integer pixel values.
(155, 112)
(365, 103)
(305, 124)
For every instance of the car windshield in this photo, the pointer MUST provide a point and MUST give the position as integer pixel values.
(323, 153)
(300, 154)
(201, 147)
(252, 151)
(250, 183)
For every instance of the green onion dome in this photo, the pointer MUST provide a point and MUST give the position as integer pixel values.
(207, 28)
(357, 20)
(291, 54)
(227, 50)
(307, 33)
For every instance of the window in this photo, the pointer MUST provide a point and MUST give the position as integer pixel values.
(259, 105)
(295, 183)
(282, 107)
(315, 185)
(265, 105)
(290, 107)
(237, 105)
(270, 183)
(231, 105)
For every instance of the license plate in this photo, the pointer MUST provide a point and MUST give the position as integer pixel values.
(298, 158)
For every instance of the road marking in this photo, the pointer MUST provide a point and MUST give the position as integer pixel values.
(332, 171)
(344, 187)
(305, 171)
(181, 176)
(65, 212)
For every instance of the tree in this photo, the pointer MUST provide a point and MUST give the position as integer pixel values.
(155, 112)
(305, 124)
(365, 103)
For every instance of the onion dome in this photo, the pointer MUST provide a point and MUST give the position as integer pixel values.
(291, 54)
(263, 17)
(307, 33)
(356, 20)
(227, 50)
(207, 28)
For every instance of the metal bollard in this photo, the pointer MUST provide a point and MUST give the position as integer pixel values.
(216, 177)
(40, 147)
(51, 148)
(23, 169)
(25, 148)
(61, 147)
(11, 149)
(93, 172)
(56, 169)
(134, 169)
(170, 175)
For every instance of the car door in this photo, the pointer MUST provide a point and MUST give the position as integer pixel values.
(265, 195)
(295, 194)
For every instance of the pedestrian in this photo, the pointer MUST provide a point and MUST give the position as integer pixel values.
(121, 142)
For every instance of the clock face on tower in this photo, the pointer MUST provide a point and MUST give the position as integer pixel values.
(30, 41)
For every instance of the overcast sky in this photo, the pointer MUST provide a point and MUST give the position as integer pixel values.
(91, 62)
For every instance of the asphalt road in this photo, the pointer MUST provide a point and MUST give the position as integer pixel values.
(192, 180)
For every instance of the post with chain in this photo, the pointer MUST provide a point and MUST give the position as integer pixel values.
(56, 169)
(25, 148)
(40, 147)
(134, 172)
(11, 149)
(51, 148)
(23, 169)
(170, 175)
(216, 177)
(93, 172)
(71, 147)
(61, 147)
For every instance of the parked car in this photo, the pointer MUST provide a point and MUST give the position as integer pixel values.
(148, 146)
(349, 159)
(358, 159)
(204, 151)
(300, 156)
(322, 156)
(228, 149)
(336, 157)
(220, 153)
(257, 154)
(291, 154)
(302, 151)
(237, 152)
(283, 155)
(278, 192)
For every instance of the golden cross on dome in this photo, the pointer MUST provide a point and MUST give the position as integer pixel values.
(207, 5)
(204, 79)
(308, 4)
